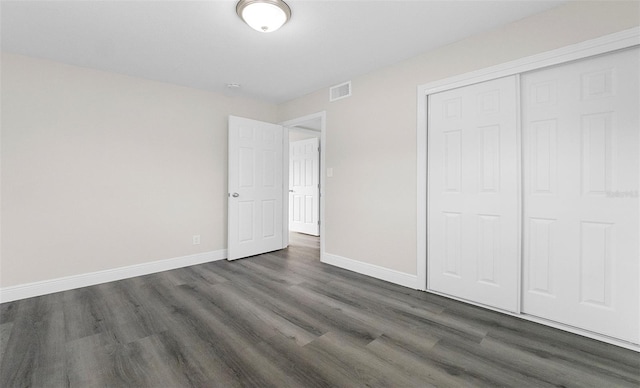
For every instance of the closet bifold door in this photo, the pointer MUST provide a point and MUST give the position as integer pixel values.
(581, 167)
(473, 223)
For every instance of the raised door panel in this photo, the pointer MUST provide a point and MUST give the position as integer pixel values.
(596, 262)
(473, 211)
(246, 217)
(452, 244)
(597, 158)
(452, 161)
(489, 159)
(581, 213)
(542, 253)
(543, 169)
(488, 253)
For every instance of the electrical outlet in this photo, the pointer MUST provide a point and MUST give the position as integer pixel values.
(329, 172)
(196, 239)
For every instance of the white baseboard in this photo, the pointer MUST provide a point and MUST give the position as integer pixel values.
(29, 290)
(375, 271)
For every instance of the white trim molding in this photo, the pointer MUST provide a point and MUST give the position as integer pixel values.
(375, 271)
(311, 132)
(608, 43)
(604, 44)
(29, 290)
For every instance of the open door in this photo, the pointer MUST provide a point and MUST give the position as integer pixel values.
(304, 186)
(255, 188)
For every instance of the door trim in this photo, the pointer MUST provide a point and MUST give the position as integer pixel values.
(612, 42)
(285, 168)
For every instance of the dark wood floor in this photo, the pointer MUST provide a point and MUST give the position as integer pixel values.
(285, 320)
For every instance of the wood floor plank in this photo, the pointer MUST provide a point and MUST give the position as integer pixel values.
(284, 319)
(158, 367)
(36, 341)
(360, 365)
(415, 358)
(561, 371)
(468, 359)
(5, 332)
(8, 311)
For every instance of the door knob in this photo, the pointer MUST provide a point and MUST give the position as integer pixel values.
(291, 191)
(235, 195)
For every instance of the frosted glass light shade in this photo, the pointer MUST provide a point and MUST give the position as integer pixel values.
(264, 15)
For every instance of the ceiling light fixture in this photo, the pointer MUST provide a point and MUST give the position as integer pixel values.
(264, 15)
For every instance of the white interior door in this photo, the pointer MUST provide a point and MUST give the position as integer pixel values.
(581, 256)
(255, 188)
(473, 197)
(304, 186)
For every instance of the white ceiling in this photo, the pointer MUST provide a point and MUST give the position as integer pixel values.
(204, 45)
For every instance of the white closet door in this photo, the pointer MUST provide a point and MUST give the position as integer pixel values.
(473, 209)
(581, 167)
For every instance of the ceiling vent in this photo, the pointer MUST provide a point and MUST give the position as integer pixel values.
(339, 92)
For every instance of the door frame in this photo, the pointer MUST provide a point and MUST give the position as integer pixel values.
(285, 177)
(602, 45)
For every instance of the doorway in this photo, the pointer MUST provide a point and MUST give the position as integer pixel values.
(303, 131)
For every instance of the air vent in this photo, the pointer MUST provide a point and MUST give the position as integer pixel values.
(340, 91)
